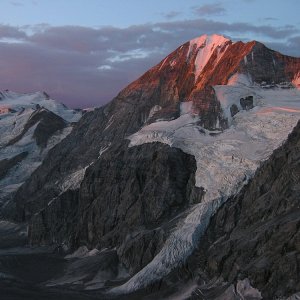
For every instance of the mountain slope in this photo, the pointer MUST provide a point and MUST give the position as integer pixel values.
(30, 124)
(227, 104)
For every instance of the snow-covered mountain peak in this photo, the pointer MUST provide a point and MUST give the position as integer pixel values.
(205, 46)
(13, 102)
(206, 40)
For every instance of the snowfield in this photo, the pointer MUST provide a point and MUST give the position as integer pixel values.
(225, 161)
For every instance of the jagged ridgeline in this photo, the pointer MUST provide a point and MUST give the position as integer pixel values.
(144, 174)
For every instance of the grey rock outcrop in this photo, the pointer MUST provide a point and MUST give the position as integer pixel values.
(7, 164)
(234, 110)
(247, 102)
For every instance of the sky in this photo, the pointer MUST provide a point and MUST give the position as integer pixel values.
(83, 52)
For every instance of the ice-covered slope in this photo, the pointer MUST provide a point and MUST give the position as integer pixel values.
(30, 125)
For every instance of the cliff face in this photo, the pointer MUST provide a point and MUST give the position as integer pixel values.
(125, 200)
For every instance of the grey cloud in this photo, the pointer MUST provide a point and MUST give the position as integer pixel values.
(7, 31)
(270, 19)
(209, 9)
(172, 14)
(16, 3)
(209, 26)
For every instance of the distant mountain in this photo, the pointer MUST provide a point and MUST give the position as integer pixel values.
(30, 125)
(142, 176)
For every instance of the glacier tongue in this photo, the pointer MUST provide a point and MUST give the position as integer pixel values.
(224, 162)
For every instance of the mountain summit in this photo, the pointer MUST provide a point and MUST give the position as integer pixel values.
(141, 177)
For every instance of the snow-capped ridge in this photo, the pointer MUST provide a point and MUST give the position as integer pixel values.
(18, 102)
(206, 40)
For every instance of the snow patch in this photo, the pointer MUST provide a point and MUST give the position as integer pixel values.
(239, 79)
(153, 111)
(163, 63)
(104, 149)
(186, 107)
(82, 252)
(296, 81)
(109, 123)
(73, 180)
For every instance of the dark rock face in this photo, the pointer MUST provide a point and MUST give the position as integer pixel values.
(60, 216)
(234, 110)
(209, 108)
(247, 102)
(139, 248)
(7, 164)
(257, 233)
(137, 190)
(269, 66)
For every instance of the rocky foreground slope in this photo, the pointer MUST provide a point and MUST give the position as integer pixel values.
(144, 174)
